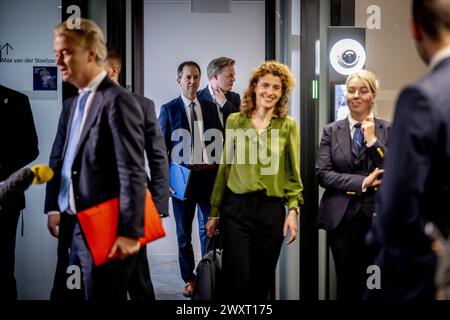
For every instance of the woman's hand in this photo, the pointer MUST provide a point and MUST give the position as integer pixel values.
(368, 129)
(211, 227)
(291, 224)
(373, 179)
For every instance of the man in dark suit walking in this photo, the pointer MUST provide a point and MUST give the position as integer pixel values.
(192, 116)
(416, 183)
(221, 75)
(155, 148)
(16, 120)
(102, 158)
(140, 284)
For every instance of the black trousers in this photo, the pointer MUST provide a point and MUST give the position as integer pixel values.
(351, 256)
(8, 228)
(140, 286)
(251, 229)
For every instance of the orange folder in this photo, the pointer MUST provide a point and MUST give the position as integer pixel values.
(99, 225)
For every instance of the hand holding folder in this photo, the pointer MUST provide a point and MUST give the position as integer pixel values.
(99, 225)
(124, 247)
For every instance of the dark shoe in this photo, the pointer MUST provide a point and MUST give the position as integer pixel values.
(189, 289)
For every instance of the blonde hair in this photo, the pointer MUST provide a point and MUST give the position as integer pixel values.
(88, 34)
(368, 77)
(287, 80)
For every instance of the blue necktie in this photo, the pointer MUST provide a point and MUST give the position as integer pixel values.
(358, 137)
(74, 136)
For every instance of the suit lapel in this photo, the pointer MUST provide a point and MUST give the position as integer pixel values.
(91, 116)
(207, 94)
(69, 124)
(205, 115)
(182, 111)
(344, 142)
(379, 132)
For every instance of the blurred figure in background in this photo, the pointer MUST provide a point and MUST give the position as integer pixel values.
(221, 75)
(193, 116)
(416, 184)
(140, 283)
(16, 120)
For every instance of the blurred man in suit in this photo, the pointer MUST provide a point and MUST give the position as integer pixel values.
(416, 183)
(195, 116)
(154, 142)
(140, 284)
(16, 120)
(102, 157)
(221, 75)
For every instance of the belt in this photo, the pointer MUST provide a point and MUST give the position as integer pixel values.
(203, 166)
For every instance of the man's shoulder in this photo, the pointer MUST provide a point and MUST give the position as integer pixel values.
(436, 82)
(144, 101)
(431, 90)
(109, 89)
(235, 95)
(171, 104)
(202, 92)
(6, 92)
(205, 102)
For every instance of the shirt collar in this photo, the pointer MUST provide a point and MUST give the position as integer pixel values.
(187, 102)
(211, 92)
(439, 56)
(352, 121)
(95, 82)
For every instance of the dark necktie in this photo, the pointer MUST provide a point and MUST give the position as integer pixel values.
(358, 138)
(195, 135)
(74, 137)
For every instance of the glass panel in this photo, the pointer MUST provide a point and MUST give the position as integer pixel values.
(288, 27)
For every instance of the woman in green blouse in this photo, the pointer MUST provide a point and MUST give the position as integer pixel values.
(259, 175)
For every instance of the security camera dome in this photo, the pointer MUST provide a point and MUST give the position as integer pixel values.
(349, 58)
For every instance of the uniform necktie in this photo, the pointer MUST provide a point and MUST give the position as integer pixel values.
(358, 137)
(74, 136)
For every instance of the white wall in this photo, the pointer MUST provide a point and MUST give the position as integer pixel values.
(27, 25)
(172, 35)
(391, 52)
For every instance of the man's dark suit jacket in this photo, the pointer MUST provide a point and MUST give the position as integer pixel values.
(232, 104)
(156, 152)
(154, 149)
(109, 160)
(335, 171)
(173, 116)
(415, 188)
(157, 159)
(18, 138)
